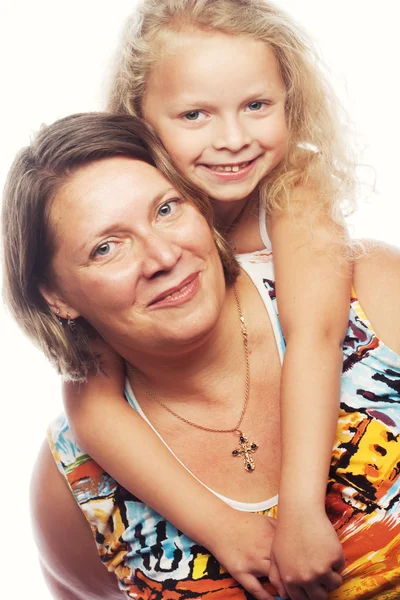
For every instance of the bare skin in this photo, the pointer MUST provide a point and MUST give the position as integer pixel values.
(68, 554)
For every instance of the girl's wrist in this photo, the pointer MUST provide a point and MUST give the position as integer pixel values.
(213, 526)
(301, 503)
(217, 536)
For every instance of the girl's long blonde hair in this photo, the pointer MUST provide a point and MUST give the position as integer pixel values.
(318, 158)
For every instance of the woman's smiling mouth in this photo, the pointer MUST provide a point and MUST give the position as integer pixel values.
(177, 295)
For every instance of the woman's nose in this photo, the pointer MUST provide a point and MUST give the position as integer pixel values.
(160, 255)
(232, 135)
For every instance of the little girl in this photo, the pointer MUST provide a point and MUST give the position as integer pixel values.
(234, 91)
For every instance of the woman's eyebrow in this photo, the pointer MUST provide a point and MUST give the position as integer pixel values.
(118, 225)
(162, 195)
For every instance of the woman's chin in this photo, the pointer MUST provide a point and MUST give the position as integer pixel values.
(188, 334)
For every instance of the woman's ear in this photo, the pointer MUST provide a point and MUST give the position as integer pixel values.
(56, 304)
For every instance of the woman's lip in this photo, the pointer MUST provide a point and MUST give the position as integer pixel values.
(231, 175)
(180, 296)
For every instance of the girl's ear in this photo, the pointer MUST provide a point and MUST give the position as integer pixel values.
(56, 304)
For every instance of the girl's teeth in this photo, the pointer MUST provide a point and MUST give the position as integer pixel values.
(229, 168)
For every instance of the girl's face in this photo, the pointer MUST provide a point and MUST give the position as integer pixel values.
(217, 102)
(134, 258)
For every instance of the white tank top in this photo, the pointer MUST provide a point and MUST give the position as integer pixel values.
(263, 228)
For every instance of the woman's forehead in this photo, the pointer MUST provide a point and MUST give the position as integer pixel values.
(110, 183)
(104, 193)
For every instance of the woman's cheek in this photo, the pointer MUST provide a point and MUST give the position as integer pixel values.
(112, 285)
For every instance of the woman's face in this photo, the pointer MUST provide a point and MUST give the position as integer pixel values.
(218, 104)
(133, 258)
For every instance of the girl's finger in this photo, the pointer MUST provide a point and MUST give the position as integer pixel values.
(331, 581)
(261, 568)
(275, 579)
(339, 564)
(315, 591)
(254, 587)
(296, 593)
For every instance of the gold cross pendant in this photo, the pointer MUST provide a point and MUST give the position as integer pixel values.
(245, 449)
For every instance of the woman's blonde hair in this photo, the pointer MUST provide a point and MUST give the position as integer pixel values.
(36, 176)
(318, 157)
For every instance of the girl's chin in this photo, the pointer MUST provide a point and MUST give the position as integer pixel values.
(227, 193)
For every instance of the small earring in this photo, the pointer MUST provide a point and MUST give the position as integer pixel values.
(58, 313)
(70, 322)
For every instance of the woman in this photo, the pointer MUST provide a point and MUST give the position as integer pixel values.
(84, 206)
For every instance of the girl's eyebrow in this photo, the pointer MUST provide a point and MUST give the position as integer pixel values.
(192, 103)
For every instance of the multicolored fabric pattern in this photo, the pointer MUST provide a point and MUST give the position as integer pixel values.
(152, 560)
(363, 497)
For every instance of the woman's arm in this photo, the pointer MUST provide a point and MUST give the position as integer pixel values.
(377, 286)
(119, 440)
(68, 555)
(313, 290)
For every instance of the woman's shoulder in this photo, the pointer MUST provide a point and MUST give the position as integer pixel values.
(377, 286)
(68, 554)
(377, 255)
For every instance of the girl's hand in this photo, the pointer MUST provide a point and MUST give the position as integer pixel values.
(306, 555)
(242, 544)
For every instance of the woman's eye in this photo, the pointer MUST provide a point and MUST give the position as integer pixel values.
(103, 249)
(193, 115)
(169, 208)
(166, 209)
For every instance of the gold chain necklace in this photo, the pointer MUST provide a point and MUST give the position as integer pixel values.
(245, 447)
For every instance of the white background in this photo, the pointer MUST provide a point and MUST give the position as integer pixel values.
(54, 60)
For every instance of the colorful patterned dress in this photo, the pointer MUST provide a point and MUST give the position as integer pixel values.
(152, 560)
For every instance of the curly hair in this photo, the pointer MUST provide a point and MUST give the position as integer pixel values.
(319, 156)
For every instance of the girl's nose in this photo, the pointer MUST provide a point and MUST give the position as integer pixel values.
(232, 135)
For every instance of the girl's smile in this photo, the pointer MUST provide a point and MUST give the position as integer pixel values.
(231, 172)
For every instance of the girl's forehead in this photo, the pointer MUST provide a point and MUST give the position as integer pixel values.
(203, 61)
(172, 43)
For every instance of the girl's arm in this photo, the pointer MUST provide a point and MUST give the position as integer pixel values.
(118, 439)
(313, 282)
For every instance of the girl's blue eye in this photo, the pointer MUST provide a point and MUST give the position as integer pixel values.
(193, 115)
(255, 105)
